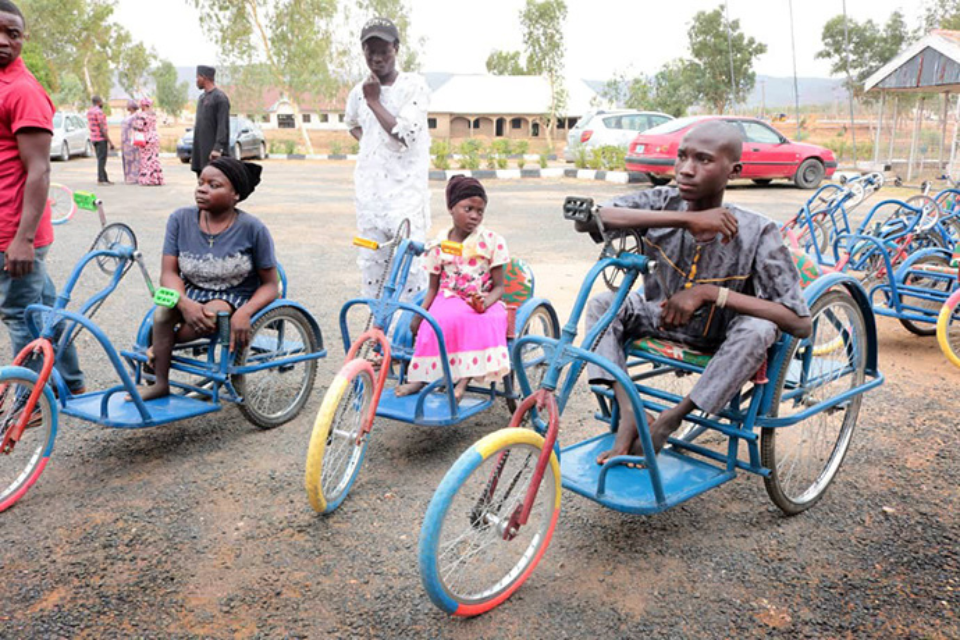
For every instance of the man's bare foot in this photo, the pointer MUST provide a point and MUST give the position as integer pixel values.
(460, 389)
(668, 422)
(152, 392)
(627, 442)
(408, 389)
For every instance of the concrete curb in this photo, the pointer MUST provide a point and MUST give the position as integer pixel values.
(616, 177)
(293, 156)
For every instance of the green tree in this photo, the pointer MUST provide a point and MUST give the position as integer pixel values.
(72, 92)
(870, 46)
(631, 93)
(291, 39)
(399, 13)
(713, 42)
(171, 95)
(542, 23)
(673, 88)
(38, 65)
(133, 68)
(941, 14)
(505, 63)
(78, 37)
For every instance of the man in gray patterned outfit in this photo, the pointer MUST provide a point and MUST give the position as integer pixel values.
(728, 263)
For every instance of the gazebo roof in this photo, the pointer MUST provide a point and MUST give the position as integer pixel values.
(932, 64)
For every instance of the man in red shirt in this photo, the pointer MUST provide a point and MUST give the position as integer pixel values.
(100, 137)
(26, 128)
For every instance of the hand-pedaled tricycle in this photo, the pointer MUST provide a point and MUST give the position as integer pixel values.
(493, 515)
(270, 379)
(358, 394)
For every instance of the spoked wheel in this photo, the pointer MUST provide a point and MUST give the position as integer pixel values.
(820, 238)
(469, 561)
(930, 283)
(336, 450)
(275, 395)
(627, 242)
(948, 329)
(534, 358)
(857, 195)
(804, 458)
(62, 206)
(21, 467)
(115, 234)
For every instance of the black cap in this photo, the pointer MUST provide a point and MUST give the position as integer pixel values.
(380, 28)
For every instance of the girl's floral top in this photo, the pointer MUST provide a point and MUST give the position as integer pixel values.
(468, 273)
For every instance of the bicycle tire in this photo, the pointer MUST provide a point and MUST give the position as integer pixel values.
(948, 328)
(62, 205)
(336, 452)
(29, 457)
(468, 499)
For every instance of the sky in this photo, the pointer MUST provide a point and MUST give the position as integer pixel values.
(603, 37)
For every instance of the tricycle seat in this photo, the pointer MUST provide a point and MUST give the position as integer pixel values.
(672, 350)
(123, 414)
(436, 407)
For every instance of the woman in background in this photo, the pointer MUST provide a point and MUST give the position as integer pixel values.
(151, 173)
(130, 154)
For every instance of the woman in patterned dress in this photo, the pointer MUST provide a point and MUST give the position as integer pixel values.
(151, 173)
(129, 153)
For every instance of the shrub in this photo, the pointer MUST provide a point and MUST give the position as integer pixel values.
(613, 158)
(595, 161)
(355, 147)
(501, 147)
(440, 150)
(544, 159)
(521, 162)
(580, 157)
(470, 151)
(336, 148)
(283, 147)
(521, 147)
(491, 161)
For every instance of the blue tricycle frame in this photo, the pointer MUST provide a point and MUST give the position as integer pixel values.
(358, 394)
(222, 375)
(494, 513)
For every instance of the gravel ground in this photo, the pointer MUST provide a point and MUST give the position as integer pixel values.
(202, 528)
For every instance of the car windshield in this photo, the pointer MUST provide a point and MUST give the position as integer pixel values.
(57, 120)
(671, 126)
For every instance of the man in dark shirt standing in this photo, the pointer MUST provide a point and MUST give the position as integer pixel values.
(211, 133)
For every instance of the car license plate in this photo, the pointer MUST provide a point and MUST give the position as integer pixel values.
(639, 148)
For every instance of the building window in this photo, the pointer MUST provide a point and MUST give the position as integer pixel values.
(535, 129)
(265, 117)
(476, 123)
(305, 117)
(324, 117)
(432, 123)
(286, 121)
(561, 123)
(516, 123)
(339, 117)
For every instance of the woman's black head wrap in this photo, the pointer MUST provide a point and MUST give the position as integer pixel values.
(244, 176)
(461, 187)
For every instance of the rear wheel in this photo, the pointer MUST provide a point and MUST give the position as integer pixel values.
(238, 151)
(62, 206)
(64, 152)
(275, 395)
(262, 151)
(948, 329)
(88, 149)
(469, 560)
(22, 466)
(916, 278)
(804, 458)
(336, 450)
(542, 322)
(658, 181)
(809, 174)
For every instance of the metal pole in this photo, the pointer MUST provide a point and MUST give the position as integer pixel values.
(893, 130)
(943, 129)
(953, 142)
(796, 86)
(846, 55)
(913, 141)
(733, 81)
(876, 140)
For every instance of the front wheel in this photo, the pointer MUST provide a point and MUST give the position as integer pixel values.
(469, 561)
(336, 449)
(809, 174)
(21, 467)
(948, 329)
(238, 151)
(933, 285)
(658, 181)
(62, 206)
(275, 394)
(804, 458)
(88, 149)
(64, 152)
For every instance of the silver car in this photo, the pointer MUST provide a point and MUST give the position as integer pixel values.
(616, 128)
(70, 136)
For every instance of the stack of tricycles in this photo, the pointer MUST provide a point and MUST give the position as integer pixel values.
(493, 515)
(270, 379)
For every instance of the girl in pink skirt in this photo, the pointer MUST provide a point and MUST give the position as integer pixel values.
(464, 298)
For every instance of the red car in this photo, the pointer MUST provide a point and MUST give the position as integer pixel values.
(767, 154)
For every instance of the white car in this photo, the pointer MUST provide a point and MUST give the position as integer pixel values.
(70, 136)
(615, 128)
